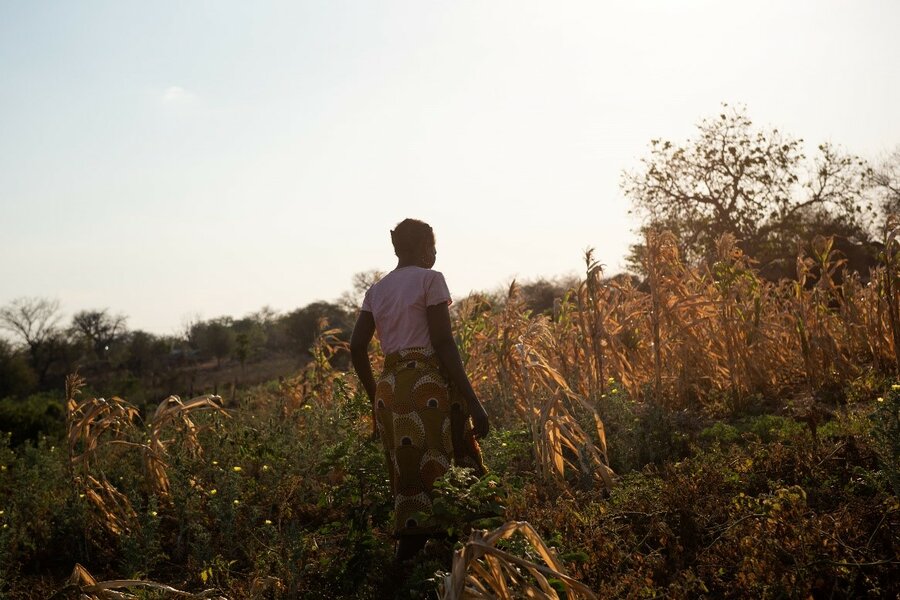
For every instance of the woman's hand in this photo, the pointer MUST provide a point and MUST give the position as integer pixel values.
(480, 423)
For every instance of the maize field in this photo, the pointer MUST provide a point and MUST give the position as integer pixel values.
(703, 432)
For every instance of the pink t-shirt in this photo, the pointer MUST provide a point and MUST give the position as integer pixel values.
(398, 301)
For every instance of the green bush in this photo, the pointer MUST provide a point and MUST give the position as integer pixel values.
(886, 432)
(720, 432)
(508, 452)
(17, 377)
(463, 501)
(773, 427)
(779, 518)
(35, 415)
(645, 433)
(757, 508)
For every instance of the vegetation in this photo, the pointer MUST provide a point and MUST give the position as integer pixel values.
(220, 353)
(755, 184)
(753, 452)
(705, 432)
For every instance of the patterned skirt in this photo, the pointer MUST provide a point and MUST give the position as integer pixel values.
(424, 426)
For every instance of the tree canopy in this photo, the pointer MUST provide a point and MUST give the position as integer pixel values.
(99, 329)
(752, 182)
(886, 178)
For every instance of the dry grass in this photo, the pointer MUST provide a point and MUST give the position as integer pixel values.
(482, 570)
(713, 337)
(95, 425)
(518, 352)
(698, 333)
(83, 586)
(172, 412)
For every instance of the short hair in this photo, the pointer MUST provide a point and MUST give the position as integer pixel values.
(409, 235)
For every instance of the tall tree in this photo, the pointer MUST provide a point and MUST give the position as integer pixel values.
(351, 300)
(34, 322)
(886, 178)
(215, 338)
(146, 352)
(99, 329)
(16, 377)
(754, 183)
(302, 325)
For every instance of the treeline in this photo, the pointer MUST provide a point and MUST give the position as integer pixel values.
(40, 348)
(98, 342)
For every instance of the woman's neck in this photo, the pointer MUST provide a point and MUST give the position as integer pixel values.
(408, 261)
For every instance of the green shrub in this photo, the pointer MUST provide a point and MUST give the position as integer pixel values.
(753, 519)
(462, 501)
(773, 427)
(639, 434)
(720, 432)
(886, 432)
(757, 509)
(508, 452)
(27, 419)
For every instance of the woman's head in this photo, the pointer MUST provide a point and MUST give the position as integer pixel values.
(413, 242)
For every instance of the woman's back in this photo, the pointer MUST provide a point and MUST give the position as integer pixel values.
(398, 302)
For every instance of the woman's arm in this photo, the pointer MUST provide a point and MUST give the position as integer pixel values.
(359, 355)
(442, 340)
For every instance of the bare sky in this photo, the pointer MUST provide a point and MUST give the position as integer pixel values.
(170, 158)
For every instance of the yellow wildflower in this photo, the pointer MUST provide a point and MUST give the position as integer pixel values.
(5, 526)
(265, 467)
(880, 399)
(152, 513)
(212, 492)
(268, 522)
(81, 495)
(215, 462)
(236, 469)
(236, 501)
(896, 386)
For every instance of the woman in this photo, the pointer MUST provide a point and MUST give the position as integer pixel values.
(423, 399)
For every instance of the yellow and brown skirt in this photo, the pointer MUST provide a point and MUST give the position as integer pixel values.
(424, 425)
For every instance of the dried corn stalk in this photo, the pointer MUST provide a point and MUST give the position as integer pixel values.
(113, 506)
(93, 424)
(173, 412)
(97, 423)
(481, 570)
(84, 586)
(560, 442)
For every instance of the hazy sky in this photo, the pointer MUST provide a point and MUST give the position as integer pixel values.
(167, 158)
